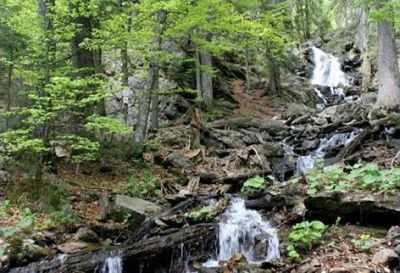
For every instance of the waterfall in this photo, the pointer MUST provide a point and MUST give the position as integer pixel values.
(328, 72)
(244, 231)
(307, 163)
(112, 265)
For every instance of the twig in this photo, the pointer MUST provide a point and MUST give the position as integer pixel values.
(394, 160)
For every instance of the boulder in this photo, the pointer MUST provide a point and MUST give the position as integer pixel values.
(85, 235)
(135, 209)
(386, 257)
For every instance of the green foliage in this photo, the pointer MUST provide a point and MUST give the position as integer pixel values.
(303, 237)
(60, 218)
(364, 242)
(147, 185)
(253, 184)
(203, 214)
(369, 177)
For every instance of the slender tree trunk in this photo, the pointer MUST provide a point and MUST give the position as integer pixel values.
(198, 73)
(148, 101)
(274, 85)
(388, 70)
(247, 63)
(154, 65)
(8, 89)
(206, 79)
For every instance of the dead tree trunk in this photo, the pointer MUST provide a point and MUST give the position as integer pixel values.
(88, 262)
(388, 70)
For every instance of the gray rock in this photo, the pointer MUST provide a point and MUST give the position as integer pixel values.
(369, 98)
(386, 257)
(134, 209)
(85, 235)
(273, 149)
(397, 250)
(296, 110)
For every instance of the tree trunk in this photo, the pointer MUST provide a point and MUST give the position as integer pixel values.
(247, 60)
(198, 73)
(388, 70)
(140, 131)
(8, 90)
(206, 78)
(154, 65)
(362, 42)
(274, 85)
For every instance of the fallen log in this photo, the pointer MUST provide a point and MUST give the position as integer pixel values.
(231, 177)
(89, 262)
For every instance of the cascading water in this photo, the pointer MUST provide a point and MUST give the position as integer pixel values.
(328, 72)
(112, 265)
(307, 163)
(244, 231)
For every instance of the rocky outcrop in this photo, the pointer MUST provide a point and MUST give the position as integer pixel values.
(134, 209)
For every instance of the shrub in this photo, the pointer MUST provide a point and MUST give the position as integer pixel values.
(253, 184)
(303, 237)
(147, 185)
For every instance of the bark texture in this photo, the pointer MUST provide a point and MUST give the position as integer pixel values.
(388, 70)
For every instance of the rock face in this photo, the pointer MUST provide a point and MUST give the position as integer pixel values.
(135, 209)
(386, 257)
(85, 235)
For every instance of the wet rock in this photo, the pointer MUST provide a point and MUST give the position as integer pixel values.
(386, 257)
(137, 209)
(85, 235)
(260, 246)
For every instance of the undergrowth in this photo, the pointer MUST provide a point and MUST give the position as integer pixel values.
(335, 179)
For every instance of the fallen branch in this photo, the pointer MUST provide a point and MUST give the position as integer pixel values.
(88, 262)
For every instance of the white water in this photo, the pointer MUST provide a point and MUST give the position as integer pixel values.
(307, 163)
(112, 265)
(244, 231)
(328, 72)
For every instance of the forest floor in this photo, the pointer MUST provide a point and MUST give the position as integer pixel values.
(242, 143)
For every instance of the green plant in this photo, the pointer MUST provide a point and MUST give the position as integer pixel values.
(5, 209)
(60, 218)
(146, 185)
(364, 242)
(329, 179)
(303, 237)
(255, 183)
(203, 214)
(365, 177)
